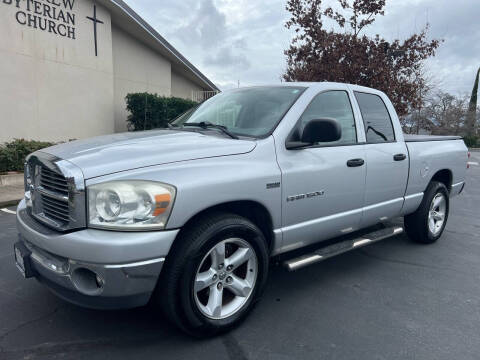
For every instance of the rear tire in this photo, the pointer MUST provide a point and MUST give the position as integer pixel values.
(426, 225)
(205, 293)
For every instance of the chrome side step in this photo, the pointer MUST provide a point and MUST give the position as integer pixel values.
(341, 247)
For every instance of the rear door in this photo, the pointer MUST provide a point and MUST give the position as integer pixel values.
(386, 159)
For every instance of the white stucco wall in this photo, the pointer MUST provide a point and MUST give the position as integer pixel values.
(137, 68)
(54, 87)
(182, 87)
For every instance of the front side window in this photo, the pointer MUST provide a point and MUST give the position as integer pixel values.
(376, 118)
(253, 112)
(334, 105)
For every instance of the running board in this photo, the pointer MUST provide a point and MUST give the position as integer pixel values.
(341, 247)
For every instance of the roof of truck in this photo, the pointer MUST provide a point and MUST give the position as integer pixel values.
(317, 85)
(311, 84)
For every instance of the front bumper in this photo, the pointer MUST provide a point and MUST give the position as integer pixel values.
(95, 268)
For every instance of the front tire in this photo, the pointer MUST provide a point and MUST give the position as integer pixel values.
(426, 225)
(214, 274)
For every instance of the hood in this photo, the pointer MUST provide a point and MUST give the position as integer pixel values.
(120, 152)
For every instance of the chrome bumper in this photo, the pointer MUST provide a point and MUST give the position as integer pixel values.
(94, 268)
(96, 286)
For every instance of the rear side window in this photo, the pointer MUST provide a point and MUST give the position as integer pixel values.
(376, 118)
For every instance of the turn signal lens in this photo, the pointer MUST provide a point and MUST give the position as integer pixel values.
(162, 202)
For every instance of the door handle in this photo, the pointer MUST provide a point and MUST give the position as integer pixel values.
(399, 157)
(355, 162)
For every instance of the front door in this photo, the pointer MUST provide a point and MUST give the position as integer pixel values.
(322, 189)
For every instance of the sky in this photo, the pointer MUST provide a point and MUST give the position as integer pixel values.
(233, 41)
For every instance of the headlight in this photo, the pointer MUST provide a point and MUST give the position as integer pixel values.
(130, 205)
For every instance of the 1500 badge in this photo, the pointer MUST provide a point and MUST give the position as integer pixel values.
(305, 196)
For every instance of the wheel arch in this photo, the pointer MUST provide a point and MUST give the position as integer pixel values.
(249, 209)
(445, 176)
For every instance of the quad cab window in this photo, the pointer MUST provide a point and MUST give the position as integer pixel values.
(376, 118)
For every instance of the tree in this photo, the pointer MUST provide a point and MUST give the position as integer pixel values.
(317, 54)
(442, 114)
(472, 108)
(418, 118)
(447, 113)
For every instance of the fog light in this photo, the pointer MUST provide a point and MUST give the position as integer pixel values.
(87, 282)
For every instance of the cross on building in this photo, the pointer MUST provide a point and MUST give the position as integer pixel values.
(95, 22)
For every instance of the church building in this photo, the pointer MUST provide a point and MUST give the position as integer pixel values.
(67, 65)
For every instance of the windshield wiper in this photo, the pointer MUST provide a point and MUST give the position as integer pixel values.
(209, 125)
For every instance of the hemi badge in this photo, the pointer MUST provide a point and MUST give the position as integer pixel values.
(274, 185)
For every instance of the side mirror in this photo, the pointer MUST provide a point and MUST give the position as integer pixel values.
(318, 130)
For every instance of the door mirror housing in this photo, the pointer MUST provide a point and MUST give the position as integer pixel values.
(318, 130)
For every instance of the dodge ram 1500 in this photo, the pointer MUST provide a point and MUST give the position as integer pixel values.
(188, 217)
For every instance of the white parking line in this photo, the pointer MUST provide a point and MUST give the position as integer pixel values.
(473, 163)
(8, 211)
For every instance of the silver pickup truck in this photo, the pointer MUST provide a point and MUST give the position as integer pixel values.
(188, 217)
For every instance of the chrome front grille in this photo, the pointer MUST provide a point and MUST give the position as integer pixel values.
(54, 182)
(55, 192)
(55, 209)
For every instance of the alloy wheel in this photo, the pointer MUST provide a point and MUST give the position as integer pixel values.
(226, 278)
(437, 214)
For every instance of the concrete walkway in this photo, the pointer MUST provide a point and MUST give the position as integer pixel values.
(10, 195)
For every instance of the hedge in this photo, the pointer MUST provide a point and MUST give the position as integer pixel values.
(13, 154)
(151, 111)
(472, 141)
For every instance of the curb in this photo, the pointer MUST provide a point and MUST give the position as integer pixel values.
(4, 204)
(11, 180)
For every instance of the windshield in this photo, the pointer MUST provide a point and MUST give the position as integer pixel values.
(253, 112)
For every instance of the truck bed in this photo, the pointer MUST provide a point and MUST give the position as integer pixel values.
(424, 138)
(431, 154)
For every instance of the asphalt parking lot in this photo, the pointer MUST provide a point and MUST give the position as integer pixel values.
(392, 300)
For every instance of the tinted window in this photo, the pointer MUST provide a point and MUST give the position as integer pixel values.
(376, 118)
(335, 105)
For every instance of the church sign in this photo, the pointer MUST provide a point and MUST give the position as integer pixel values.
(53, 16)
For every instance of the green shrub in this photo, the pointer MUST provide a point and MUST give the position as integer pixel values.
(472, 141)
(13, 154)
(151, 111)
